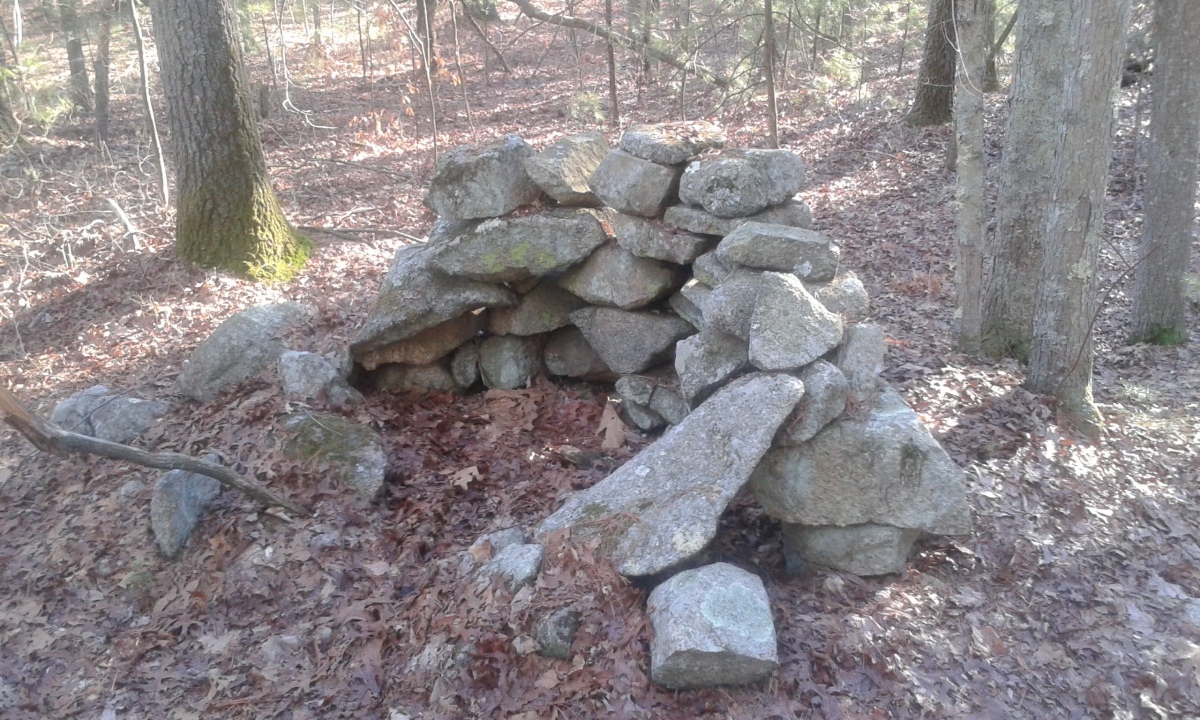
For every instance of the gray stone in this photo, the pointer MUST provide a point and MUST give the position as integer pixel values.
(648, 238)
(668, 402)
(845, 296)
(414, 298)
(482, 181)
(792, 213)
(568, 354)
(825, 393)
(711, 626)
(657, 392)
(640, 416)
(690, 302)
(555, 634)
(98, 413)
(730, 306)
(710, 270)
(309, 375)
(807, 253)
(630, 342)
(789, 328)
(428, 345)
(178, 500)
(705, 361)
(615, 276)
(562, 169)
(860, 549)
(436, 378)
(519, 248)
(860, 358)
(492, 543)
(884, 469)
(240, 348)
(662, 506)
(352, 452)
(508, 362)
(129, 491)
(671, 143)
(464, 365)
(518, 564)
(784, 170)
(634, 186)
(740, 183)
(541, 310)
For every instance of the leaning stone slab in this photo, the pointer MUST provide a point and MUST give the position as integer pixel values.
(650, 239)
(671, 143)
(435, 377)
(792, 213)
(789, 328)
(427, 345)
(689, 302)
(711, 626)
(730, 306)
(309, 375)
(562, 169)
(615, 276)
(627, 341)
(844, 295)
(353, 452)
(634, 186)
(825, 393)
(860, 549)
(884, 469)
(809, 254)
(705, 361)
(710, 270)
(860, 358)
(482, 181)
(240, 348)
(568, 354)
(520, 248)
(414, 298)
(547, 307)
(178, 501)
(508, 362)
(101, 414)
(662, 506)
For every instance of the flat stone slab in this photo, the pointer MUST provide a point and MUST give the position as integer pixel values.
(547, 307)
(630, 341)
(102, 414)
(662, 506)
(428, 345)
(672, 143)
(634, 186)
(711, 626)
(792, 213)
(614, 276)
(562, 169)
(482, 181)
(789, 328)
(651, 239)
(811, 255)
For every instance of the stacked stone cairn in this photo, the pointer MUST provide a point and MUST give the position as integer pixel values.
(689, 276)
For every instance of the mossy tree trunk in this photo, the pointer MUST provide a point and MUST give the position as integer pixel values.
(226, 213)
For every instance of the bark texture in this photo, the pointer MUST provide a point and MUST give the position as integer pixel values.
(226, 213)
(106, 9)
(933, 103)
(1026, 177)
(1060, 361)
(1159, 305)
(971, 168)
(68, 11)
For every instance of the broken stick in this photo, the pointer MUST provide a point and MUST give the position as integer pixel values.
(51, 438)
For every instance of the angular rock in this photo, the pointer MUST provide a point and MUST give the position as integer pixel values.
(464, 365)
(671, 143)
(640, 416)
(662, 506)
(568, 354)
(240, 348)
(487, 546)
(808, 254)
(541, 310)
(630, 342)
(555, 634)
(508, 362)
(705, 361)
(100, 414)
(825, 393)
(309, 375)
(784, 170)
(482, 181)
(711, 626)
(615, 276)
(651, 400)
(435, 378)
(178, 501)
(562, 169)
(740, 183)
(413, 298)
(634, 186)
(789, 328)
(690, 302)
(647, 238)
(860, 358)
(845, 296)
(352, 452)
(709, 269)
(517, 249)
(428, 345)
(792, 213)
(860, 549)
(668, 402)
(518, 564)
(884, 469)
(730, 306)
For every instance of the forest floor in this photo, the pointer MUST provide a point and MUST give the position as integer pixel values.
(1077, 595)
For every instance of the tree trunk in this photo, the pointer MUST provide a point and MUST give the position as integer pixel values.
(1159, 305)
(769, 72)
(933, 104)
(427, 32)
(1060, 360)
(226, 212)
(100, 68)
(9, 125)
(1025, 182)
(970, 170)
(614, 104)
(80, 91)
(991, 79)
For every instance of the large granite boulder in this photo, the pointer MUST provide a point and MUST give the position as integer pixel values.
(789, 328)
(628, 341)
(711, 626)
(241, 347)
(662, 506)
(809, 254)
(884, 468)
(615, 276)
(547, 307)
(562, 169)
(101, 414)
(792, 213)
(178, 501)
(648, 238)
(634, 186)
(519, 248)
(740, 183)
(482, 181)
(353, 452)
(672, 143)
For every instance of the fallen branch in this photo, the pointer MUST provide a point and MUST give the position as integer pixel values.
(650, 50)
(49, 437)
